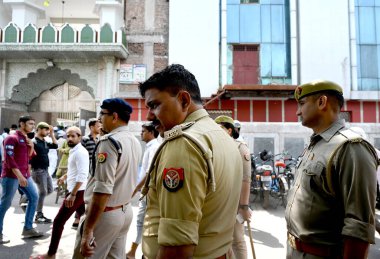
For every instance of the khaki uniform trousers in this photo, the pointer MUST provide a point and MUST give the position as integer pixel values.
(110, 234)
(239, 246)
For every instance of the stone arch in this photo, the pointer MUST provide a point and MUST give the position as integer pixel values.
(87, 35)
(11, 33)
(63, 98)
(49, 34)
(106, 34)
(45, 79)
(29, 34)
(68, 34)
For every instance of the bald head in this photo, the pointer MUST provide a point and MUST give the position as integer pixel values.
(73, 136)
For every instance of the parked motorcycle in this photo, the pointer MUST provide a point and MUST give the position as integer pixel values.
(272, 177)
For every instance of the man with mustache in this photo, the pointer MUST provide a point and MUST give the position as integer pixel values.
(76, 178)
(193, 195)
(331, 207)
(102, 233)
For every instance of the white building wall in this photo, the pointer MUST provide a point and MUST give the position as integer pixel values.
(194, 40)
(5, 16)
(324, 41)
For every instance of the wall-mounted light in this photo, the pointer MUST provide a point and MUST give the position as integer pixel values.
(50, 63)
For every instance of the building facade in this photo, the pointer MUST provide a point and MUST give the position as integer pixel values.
(268, 47)
(61, 57)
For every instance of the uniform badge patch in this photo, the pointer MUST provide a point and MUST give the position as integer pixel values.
(173, 179)
(102, 157)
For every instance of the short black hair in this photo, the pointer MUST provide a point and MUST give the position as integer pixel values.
(150, 127)
(173, 79)
(92, 122)
(14, 126)
(335, 95)
(23, 119)
(6, 130)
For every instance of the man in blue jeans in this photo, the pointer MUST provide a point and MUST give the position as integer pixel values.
(17, 151)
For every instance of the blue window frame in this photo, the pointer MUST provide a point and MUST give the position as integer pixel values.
(367, 13)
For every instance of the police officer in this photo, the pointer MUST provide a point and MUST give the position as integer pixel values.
(193, 196)
(330, 210)
(109, 189)
(238, 244)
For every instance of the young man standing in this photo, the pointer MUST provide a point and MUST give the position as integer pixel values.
(76, 177)
(89, 141)
(40, 165)
(149, 135)
(17, 151)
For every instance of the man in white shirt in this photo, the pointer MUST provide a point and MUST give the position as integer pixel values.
(149, 135)
(76, 178)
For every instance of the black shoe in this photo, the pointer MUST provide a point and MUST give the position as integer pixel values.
(41, 219)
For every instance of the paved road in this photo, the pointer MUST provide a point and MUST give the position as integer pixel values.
(268, 230)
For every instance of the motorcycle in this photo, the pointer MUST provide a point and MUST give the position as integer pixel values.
(272, 177)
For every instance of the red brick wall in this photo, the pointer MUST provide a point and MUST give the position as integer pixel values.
(259, 110)
(290, 111)
(354, 108)
(275, 110)
(369, 112)
(243, 110)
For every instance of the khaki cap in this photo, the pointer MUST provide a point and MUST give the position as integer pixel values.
(43, 125)
(315, 87)
(225, 119)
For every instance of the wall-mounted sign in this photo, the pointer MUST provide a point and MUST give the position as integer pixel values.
(132, 73)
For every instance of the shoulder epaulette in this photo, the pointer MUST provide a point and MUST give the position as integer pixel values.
(114, 143)
(174, 133)
(177, 131)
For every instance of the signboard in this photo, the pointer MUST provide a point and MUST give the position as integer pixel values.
(132, 73)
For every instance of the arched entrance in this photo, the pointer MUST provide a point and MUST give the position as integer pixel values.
(56, 96)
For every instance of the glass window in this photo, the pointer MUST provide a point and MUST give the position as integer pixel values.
(249, 1)
(368, 45)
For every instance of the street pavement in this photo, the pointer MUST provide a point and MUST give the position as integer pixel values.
(268, 231)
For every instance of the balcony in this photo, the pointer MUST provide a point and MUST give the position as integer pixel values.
(64, 42)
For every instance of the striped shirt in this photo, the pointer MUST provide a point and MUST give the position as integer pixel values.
(89, 143)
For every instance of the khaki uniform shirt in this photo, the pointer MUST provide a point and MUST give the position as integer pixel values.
(193, 214)
(113, 177)
(246, 158)
(315, 216)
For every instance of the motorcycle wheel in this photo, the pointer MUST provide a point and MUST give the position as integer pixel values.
(266, 199)
(283, 193)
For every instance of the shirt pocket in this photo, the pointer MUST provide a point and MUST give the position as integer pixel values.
(314, 176)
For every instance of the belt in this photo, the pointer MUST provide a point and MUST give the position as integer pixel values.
(313, 249)
(114, 208)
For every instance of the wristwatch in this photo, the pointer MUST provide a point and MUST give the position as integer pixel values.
(243, 206)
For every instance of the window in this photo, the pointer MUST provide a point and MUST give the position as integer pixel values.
(249, 1)
(368, 45)
(245, 64)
